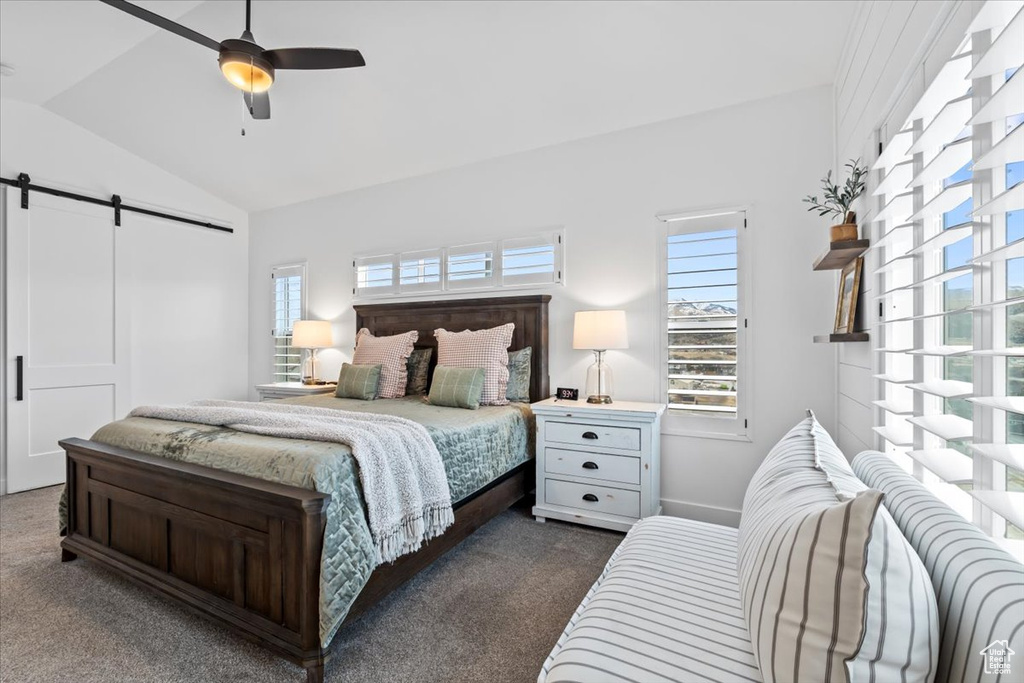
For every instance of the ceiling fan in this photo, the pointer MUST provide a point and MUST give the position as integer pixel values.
(246, 65)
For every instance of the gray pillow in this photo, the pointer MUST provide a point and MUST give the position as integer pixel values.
(358, 381)
(518, 389)
(457, 387)
(418, 371)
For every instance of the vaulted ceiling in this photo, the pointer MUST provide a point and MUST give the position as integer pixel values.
(447, 83)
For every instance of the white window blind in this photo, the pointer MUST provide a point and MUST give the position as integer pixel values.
(704, 320)
(471, 266)
(288, 296)
(530, 261)
(420, 271)
(375, 275)
(948, 232)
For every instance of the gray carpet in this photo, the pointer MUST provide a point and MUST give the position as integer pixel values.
(490, 610)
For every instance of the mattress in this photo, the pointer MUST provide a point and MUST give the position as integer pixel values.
(666, 608)
(477, 447)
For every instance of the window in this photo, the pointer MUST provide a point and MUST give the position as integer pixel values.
(471, 266)
(531, 260)
(535, 260)
(419, 271)
(375, 275)
(950, 338)
(289, 306)
(705, 325)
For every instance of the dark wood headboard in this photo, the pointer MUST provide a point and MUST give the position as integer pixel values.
(529, 313)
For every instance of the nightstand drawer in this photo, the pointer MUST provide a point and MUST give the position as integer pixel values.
(626, 438)
(622, 468)
(594, 498)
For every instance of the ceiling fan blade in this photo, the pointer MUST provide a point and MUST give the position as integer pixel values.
(314, 58)
(258, 104)
(163, 23)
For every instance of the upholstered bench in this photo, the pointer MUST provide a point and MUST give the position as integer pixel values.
(668, 605)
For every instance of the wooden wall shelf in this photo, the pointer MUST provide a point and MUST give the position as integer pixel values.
(843, 337)
(840, 253)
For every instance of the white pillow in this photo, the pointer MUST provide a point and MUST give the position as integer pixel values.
(831, 591)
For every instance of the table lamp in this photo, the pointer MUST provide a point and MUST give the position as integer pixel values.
(599, 331)
(312, 335)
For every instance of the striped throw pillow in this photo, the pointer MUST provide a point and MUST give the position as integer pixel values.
(358, 381)
(979, 587)
(831, 590)
(392, 353)
(456, 387)
(487, 349)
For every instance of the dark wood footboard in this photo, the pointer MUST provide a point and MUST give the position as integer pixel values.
(241, 551)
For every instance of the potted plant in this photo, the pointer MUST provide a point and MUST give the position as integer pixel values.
(837, 200)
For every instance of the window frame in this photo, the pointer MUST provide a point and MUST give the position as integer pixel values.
(497, 279)
(275, 273)
(732, 428)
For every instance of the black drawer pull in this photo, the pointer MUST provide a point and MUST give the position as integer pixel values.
(589, 435)
(588, 465)
(590, 497)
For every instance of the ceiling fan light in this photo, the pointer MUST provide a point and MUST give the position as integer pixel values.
(246, 72)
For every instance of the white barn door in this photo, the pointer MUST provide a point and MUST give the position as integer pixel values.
(67, 331)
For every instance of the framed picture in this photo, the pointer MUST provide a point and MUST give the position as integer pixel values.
(849, 288)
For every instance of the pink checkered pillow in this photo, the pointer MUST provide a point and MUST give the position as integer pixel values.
(487, 349)
(392, 353)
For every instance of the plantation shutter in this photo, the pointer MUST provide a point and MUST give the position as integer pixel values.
(948, 226)
(375, 275)
(288, 283)
(704, 357)
(420, 271)
(534, 260)
(472, 266)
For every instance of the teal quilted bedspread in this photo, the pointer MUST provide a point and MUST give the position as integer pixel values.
(477, 446)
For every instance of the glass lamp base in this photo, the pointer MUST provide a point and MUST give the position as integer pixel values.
(600, 382)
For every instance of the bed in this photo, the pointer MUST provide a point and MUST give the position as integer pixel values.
(246, 552)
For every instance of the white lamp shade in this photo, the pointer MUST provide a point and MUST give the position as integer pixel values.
(312, 334)
(600, 330)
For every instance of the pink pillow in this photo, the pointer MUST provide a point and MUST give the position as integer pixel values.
(391, 353)
(487, 349)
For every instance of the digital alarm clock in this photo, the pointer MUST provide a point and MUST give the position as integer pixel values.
(567, 394)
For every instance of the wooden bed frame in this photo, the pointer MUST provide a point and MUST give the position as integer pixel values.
(245, 552)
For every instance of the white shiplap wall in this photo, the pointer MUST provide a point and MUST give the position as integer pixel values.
(893, 50)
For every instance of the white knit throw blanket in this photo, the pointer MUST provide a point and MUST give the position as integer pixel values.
(404, 482)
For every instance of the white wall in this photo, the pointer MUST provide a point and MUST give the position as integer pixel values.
(606, 191)
(189, 287)
(893, 51)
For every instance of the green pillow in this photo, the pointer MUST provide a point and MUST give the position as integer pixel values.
(518, 390)
(358, 381)
(418, 372)
(457, 387)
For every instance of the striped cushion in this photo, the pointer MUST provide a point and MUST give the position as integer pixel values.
(831, 590)
(390, 352)
(358, 381)
(666, 608)
(457, 387)
(979, 587)
(487, 349)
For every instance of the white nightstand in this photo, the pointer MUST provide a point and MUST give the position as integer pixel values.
(598, 464)
(276, 390)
